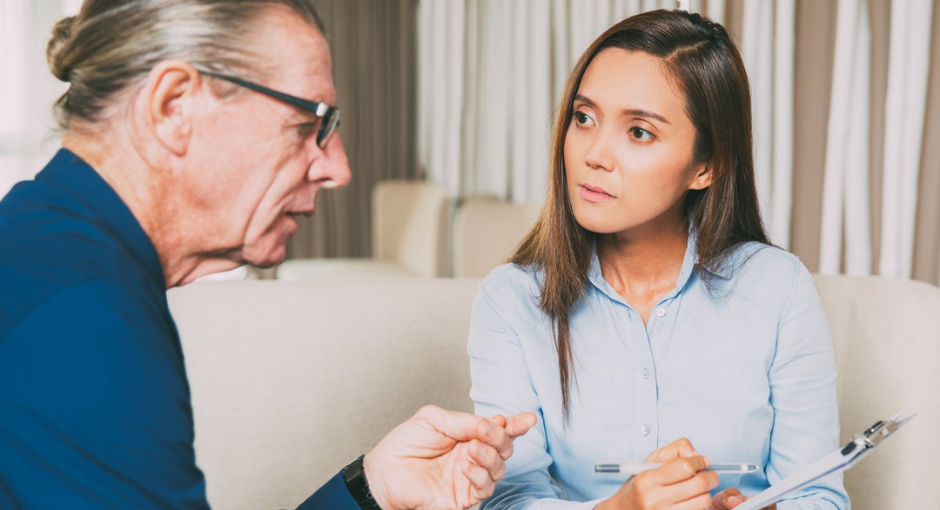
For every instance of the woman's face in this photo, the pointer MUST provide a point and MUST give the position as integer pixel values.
(629, 147)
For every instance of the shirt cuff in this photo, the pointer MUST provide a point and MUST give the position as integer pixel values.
(333, 495)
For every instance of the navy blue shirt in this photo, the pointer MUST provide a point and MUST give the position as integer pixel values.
(95, 406)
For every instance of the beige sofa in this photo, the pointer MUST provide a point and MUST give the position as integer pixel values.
(290, 381)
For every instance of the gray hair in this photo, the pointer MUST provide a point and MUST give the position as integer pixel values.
(112, 44)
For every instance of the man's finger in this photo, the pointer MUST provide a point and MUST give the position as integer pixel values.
(498, 420)
(453, 424)
(481, 485)
(501, 437)
(488, 458)
(520, 424)
(495, 437)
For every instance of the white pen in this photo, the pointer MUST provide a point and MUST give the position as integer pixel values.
(737, 468)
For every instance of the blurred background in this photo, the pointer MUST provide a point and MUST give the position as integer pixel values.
(459, 95)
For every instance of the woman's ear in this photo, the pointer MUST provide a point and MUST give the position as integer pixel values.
(701, 177)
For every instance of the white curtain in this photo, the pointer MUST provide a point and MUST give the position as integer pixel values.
(27, 88)
(909, 57)
(767, 46)
(845, 212)
(491, 74)
(12, 91)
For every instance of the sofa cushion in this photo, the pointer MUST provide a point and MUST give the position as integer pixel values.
(291, 381)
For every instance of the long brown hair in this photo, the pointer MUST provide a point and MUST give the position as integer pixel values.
(700, 56)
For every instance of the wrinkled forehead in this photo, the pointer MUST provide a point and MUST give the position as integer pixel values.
(294, 56)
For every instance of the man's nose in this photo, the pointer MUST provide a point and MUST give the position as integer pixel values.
(331, 168)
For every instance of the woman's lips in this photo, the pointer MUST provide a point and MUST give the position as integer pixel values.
(594, 194)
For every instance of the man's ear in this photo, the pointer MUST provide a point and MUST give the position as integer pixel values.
(170, 94)
(702, 177)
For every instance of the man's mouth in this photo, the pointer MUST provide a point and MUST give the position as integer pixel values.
(305, 214)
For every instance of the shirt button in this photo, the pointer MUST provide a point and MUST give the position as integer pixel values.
(645, 430)
(661, 312)
(646, 373)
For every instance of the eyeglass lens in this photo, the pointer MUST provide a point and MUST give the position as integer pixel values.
(327, 126)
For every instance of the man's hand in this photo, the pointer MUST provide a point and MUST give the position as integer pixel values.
(442, 460)
(730, 498)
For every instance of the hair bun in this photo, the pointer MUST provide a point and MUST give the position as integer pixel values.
(58, 48)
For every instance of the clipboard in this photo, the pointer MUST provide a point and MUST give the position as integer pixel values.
(849, 455)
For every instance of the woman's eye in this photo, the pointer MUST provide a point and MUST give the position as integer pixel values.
(581, 118)
(641, 134)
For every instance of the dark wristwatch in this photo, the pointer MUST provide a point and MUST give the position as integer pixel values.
(355, 477)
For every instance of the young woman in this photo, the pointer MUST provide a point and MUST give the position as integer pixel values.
(646, 307)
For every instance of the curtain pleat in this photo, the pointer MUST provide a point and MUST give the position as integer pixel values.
(716, 10)
(757, 50)
(472, 82)
(904, 120)
(782, 153)
(534, 101)
(837, 142)
(858, 245)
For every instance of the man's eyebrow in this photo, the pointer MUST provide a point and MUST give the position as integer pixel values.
(635, 112)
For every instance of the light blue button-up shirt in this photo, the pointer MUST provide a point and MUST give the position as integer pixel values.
(744, 369)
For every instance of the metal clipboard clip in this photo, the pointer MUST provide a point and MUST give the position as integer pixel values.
(862, 444)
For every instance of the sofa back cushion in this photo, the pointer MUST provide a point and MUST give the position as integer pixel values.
(291, 381)
(887, 341)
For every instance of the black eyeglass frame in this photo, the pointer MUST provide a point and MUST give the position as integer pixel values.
(328, 115)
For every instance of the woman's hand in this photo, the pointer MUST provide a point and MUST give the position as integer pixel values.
(681, 483)
(730, 498)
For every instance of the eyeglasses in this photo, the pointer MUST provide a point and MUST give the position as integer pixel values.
(328, 115)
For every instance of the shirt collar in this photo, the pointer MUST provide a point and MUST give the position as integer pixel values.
(70, 171)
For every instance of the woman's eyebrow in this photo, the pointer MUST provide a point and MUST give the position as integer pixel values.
(584, 99)
(647, 114)
(634, 112)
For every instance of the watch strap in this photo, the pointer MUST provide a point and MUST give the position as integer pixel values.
(355, 477)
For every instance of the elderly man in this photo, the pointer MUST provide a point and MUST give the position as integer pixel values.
(177, 162)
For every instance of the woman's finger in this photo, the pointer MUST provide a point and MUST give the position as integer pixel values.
(678, 448)
(677, 470)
